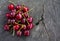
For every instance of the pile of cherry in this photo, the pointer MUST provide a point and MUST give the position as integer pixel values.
(18, 20)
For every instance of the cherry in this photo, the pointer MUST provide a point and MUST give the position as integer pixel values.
(30, 19)
(26, 15)
(18, 16)
(26, 33)
(30, 26)
(8, 15)
(25, 9)
(13, 21)
(18, 7)
(19, 33)
(19, 13)
(23, 20)
(6, 27)
(16, 27)
(12, 14)
(10, 6)
(14, 10)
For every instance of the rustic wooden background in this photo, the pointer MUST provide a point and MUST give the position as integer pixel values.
(47, 30)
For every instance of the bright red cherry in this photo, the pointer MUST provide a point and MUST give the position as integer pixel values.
(30, 26)
(16, 27)
(19, 33)
(8, 15)
(27, 33)
(30, 19)
(10, 6)
(25, 9)
(18, 7)
(18, 16)
(6, 27)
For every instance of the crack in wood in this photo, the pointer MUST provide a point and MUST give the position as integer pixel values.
(44, 23)
(42, 20)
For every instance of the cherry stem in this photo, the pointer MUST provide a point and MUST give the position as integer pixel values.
(21, 25)
(20, 28)
(13, 32)
(11, 2)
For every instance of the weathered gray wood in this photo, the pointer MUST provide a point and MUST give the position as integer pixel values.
(49, 31)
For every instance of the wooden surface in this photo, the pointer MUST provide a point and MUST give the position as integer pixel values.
(47, 30)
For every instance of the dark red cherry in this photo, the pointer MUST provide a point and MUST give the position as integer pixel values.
(18, 7)
(12, 14)
(6, 27)
(8, 15)
(27, 33)
(19, 33)
(26, 15)
(23, 20)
